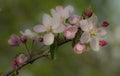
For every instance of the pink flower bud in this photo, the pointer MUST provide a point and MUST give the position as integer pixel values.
(23, 39)
(89, 13)
(79, 48)
(74, 19)
(40, 39)
(102, 43)
(105, 24)
(70, 32)
(14, 63)
(21, 59)
(14, 40)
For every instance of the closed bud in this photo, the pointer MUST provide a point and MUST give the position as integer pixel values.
(79, 48)
(105, 24)
(21, 59)
(23, 39)
(102, 43)
(89, 13)
(14, 40)
(70, 32)
(40, 39)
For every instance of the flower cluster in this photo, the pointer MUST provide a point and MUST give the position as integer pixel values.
(83, 31)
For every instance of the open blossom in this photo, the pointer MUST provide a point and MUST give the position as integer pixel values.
(91, 33)
(62, 13)
(70, 32)
(14, 40)
(79, 48)
(29, 34)
(50, 25)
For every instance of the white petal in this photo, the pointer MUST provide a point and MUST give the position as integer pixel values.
(59, 9)
(85, 38)
(94, 44)
(102, 32)
(46, 19)
(85, 25)
(39, 28)
(68, 11)
(93, 20)
(56, 22)
(60, 29)
(54, 13)
(48, 39)
(27, 33)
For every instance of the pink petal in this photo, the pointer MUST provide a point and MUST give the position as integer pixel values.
(79, 48)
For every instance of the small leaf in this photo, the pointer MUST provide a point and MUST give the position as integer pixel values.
(53, 49)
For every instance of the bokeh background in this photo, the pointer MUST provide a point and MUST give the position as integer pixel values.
(17, 15)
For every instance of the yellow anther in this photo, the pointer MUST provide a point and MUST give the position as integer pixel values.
(48, 28)
(93, 32)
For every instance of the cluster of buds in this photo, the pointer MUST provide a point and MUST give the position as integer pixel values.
(63, 21)
(19, 61)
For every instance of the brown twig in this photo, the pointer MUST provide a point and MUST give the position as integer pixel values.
(11, 73)
(46, 53)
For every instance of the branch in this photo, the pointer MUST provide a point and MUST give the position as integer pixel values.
(11, 73)
(45, 54)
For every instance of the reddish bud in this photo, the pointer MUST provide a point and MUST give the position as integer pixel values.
(14, 40)
(40, 39)
(102, 43)
(89, 13)
(105, 24)
(23, 39)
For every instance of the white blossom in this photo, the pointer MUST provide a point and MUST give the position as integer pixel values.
(91, 33)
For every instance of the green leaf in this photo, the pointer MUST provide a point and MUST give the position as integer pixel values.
(53, 49)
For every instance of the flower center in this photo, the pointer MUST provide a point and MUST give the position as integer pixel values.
(62, 19)
(93, 32)
(49, 28)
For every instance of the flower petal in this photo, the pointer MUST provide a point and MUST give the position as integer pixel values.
(94, 44)
(93, 20)
(56, 22)
(102, 32)
(68, 11)
(85, 38)
(85, 25)
(59, 9)
(29, 34)
(70, 32)
(60, 29)
(46, 19)
(39, 28)
(48, 39)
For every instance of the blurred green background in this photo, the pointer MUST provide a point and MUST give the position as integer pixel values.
(17, 15)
